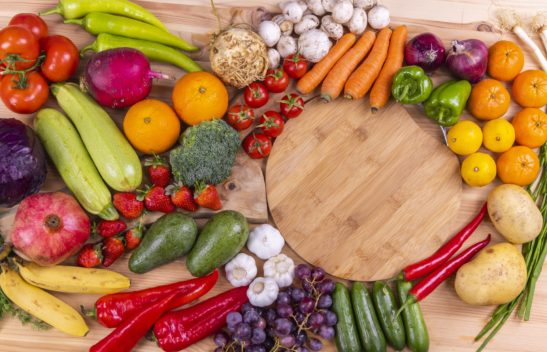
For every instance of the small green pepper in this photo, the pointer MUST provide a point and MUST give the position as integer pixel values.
(446, 103)
(411, 85)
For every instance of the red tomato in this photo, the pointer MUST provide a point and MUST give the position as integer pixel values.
(292, 105)
(271, 123)
(240, 117)
(256, 95)
(276, 80)
(257, 145)
(18, 47)
(24, 96)
(32, 22)
(295, 65)
(62, 58)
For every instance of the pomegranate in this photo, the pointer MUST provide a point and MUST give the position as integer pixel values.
(49, 227)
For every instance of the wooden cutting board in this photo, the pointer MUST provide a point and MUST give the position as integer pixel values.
(361, 194)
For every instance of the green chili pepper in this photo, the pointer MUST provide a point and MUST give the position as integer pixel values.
(98, 22)
(411, 85)
(153, 51)
(71, 9)
(446, 103)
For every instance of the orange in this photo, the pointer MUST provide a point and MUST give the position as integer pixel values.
(530, 127)
(505, 60)
(530, 89)
(519, 166)
(200, 96)
(151, 126)
(488, 100)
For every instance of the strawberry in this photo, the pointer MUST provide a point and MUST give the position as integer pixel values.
(109, 228)
(158, 171)
(90, 256)
(113, 248)
(155, 199)
(133, 237)
(207, 196)
(182, 197)
(128, 205)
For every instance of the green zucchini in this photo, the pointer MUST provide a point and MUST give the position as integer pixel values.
(417, 336)
(67, 151)
(347, 339)
(386, 308)
(370, 331)
(112, 154)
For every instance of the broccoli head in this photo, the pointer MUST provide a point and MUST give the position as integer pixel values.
(206, 153)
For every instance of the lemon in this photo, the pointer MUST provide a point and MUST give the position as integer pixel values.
(499, 135)
(478, 169)
(464, 138)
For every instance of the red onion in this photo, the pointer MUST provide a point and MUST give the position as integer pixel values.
(425, 50)
(467, 59)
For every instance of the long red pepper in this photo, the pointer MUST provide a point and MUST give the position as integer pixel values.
(179, 329)
(423, 288)
(111, 310)
(128, 333)
(427, 265)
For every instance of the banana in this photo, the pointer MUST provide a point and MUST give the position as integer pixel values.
(41, 304)
(73, 279)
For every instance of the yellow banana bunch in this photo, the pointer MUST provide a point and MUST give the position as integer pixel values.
(41, 304)
(73, 279)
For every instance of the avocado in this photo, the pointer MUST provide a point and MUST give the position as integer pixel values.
(220, 240)
(168, 239)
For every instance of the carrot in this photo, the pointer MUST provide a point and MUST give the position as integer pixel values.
(314, 77)
(381, 90)
(337, 77)
(363, 77)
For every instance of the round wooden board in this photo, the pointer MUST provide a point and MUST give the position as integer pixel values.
(358, 193)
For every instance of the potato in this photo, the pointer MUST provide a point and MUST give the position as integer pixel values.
(514, 213)
(496, 276)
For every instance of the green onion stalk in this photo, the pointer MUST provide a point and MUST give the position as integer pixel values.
(534, 253)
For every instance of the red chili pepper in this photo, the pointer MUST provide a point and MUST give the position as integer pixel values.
(130, 331)
(424, 267)
(423, 288)
(111, 310)
(177, 330)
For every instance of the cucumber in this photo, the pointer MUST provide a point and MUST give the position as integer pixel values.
(386, 308)
(112, 154)
(67, 151)
(347, 339)
(417, 336)
(370, 331)
(220, 240)
(168, 239)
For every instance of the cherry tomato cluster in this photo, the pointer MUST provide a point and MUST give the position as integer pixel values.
(29, 58)
(270, 124)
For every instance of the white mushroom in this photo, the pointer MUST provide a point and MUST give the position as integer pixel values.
(273, 58)
(314, 45)
(364, 4)
(358, 22)
(270, 32)
(334, 30)
(316, 7)
(328, 5)
(308, 22)
(292, 10)
(284, 24)
(342, 11)
(286, 46)
(378, 17)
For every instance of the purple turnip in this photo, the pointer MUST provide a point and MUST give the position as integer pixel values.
(118, 78)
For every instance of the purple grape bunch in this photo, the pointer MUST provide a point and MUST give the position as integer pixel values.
(296, 322)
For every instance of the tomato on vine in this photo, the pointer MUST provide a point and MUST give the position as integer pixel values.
(19, 48)
(271, 123)
(257, 145)
(62, 58)
(24, 93)
(291, 105)
(276, 80)
(295, 65)
(34, 23)
(256, 95)
(240, 117)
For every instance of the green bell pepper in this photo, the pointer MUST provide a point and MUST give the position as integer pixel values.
(446, 103)
(411, 85)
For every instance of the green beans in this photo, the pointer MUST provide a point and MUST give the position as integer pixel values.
(370, 331)
(347, 339)
(386, 308)
(417, 337)
(153, 51)
(71, 9)
(98, 22)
